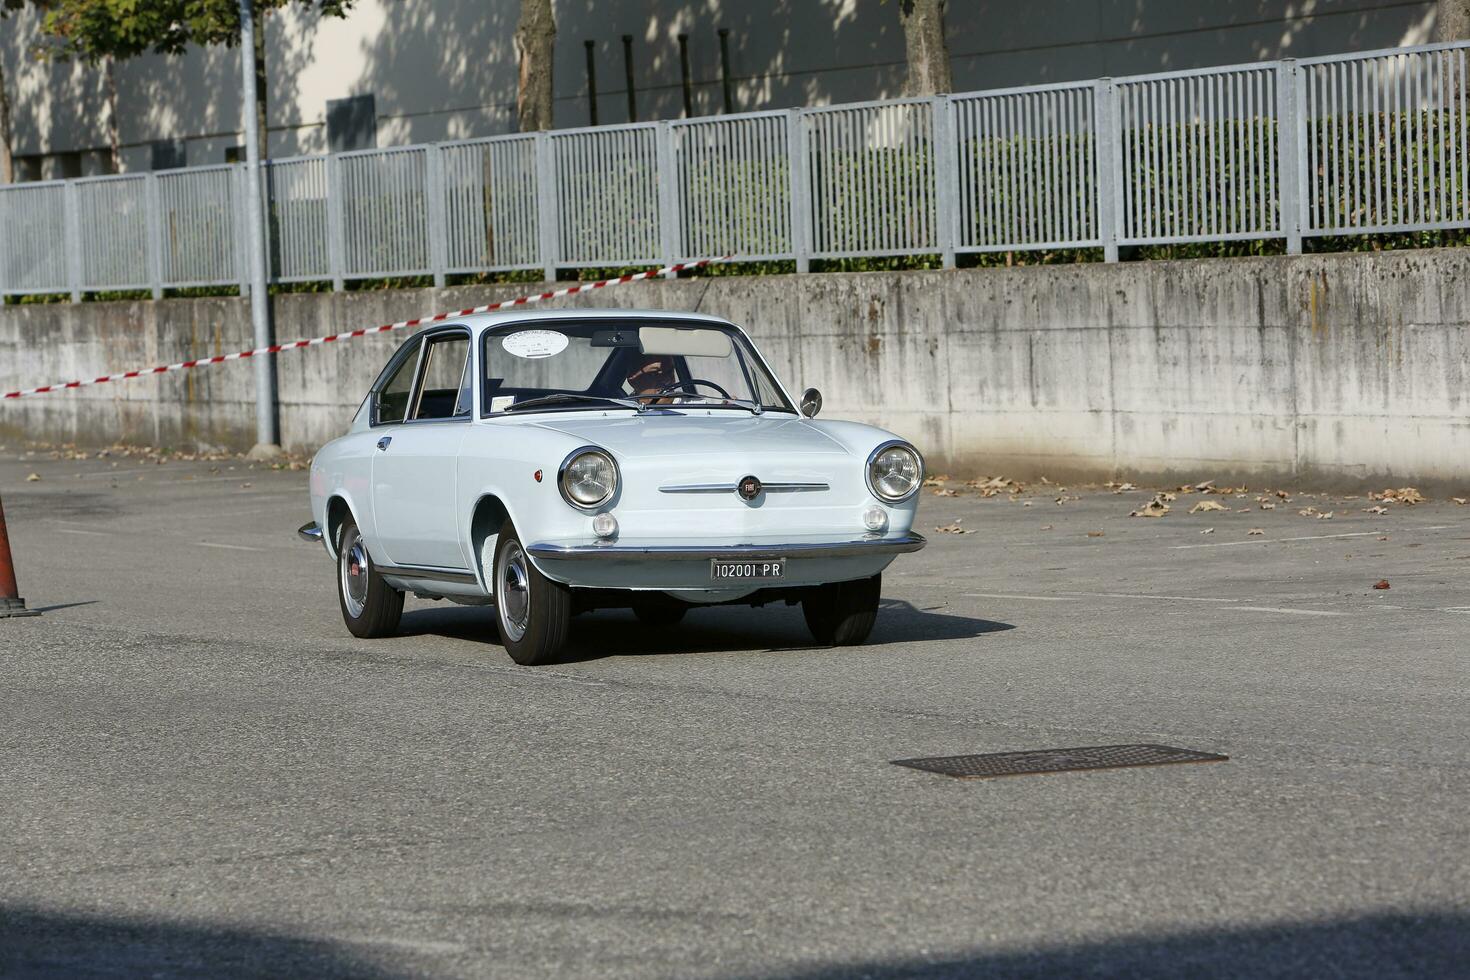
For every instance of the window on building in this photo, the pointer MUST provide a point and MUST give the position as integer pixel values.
(27, 168)
(352, 123)
(167, 154)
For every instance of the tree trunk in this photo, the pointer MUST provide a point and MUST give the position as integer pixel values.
(535, 40)
(7, 165)
(260, 88)
(928, 55)
(1452, 20)
(113, 143)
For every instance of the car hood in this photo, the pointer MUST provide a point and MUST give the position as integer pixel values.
(677, 434)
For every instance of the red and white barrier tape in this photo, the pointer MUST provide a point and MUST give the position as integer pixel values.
(385, 328)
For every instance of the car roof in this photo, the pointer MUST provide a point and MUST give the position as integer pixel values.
(483, 321)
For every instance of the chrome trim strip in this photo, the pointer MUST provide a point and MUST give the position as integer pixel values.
(731, 488)
(427, 574)
(894, 545)
(310, 532)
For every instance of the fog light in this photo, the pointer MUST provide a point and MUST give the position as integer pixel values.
(604, 525)
(875, 518)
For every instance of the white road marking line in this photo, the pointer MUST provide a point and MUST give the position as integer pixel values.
(232, 547)
(997, 595)
(74, 530)
(1293, 612)
(1139, 595)
(1312, 537)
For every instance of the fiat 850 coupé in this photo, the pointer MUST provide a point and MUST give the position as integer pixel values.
(549, 464)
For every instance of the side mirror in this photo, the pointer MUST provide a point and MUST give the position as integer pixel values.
(811, 402)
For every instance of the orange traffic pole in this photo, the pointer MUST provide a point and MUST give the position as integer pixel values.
(11, 604)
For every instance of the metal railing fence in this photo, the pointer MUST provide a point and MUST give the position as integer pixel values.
(1348, 144)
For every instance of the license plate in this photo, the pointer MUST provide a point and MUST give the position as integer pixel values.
(765, 570)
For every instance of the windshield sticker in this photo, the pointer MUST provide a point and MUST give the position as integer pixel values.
(535, 343)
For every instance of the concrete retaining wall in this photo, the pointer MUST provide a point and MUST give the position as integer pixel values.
(1342, 369)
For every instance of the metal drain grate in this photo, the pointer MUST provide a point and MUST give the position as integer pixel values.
(1057, 760)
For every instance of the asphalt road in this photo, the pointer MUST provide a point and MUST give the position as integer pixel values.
(204, 774)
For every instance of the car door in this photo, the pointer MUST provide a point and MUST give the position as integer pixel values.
(414, 463)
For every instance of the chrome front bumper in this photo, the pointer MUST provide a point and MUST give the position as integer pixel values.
(895, 544)
(675, 565)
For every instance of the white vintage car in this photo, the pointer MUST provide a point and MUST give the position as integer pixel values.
(559, 462)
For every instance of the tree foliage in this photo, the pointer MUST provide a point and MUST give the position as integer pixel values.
(97, 29)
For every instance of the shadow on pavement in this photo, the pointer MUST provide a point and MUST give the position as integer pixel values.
(35, 943)
(1431, 945)
(65, 605)
(617, 633)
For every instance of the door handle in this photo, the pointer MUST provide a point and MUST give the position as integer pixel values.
(383, 442)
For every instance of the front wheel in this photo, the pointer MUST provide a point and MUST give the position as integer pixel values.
(842, 613)
(371, 607)
(533, 612)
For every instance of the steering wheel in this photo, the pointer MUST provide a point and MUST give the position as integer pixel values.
(678, 385)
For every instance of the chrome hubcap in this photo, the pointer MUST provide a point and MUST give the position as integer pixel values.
(355, 566)
(513, 592)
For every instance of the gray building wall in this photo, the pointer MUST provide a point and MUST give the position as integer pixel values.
(444, 69)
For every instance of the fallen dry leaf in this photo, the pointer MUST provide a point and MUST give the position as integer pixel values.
(1375, 510)
(1154, 508)
(1254, 532)
(946, 493)
(1094, 534)
(1403, 495)
(1120, 487)
(1208, 530)
(1207, 505)
(1461, 500)
(34, 477)
(1268, 505)
(1047, 527)
(1307, 512)
(1382, 584)
(1326, 515)
(955, 528)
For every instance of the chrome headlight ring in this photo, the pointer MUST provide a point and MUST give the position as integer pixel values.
(581, 458)
(914, 478)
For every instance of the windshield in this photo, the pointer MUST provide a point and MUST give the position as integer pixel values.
(569, 365)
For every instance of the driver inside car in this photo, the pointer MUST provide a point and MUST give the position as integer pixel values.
(652, 376)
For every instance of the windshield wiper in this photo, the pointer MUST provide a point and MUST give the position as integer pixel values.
(561, 397)
(755, 408)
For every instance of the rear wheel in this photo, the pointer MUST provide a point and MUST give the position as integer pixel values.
(533, 612)
(371, 607)
(842, 613)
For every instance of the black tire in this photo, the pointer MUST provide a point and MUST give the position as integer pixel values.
(532, 612)
(371, 607)
(655, 612)
(842, 614)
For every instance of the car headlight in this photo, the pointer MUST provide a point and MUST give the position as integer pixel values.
(895, 471)
(588, 478)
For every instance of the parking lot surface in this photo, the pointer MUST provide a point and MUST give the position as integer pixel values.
(205, 774)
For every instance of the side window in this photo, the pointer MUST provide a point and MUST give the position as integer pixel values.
(392, 399)
(444, 393)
